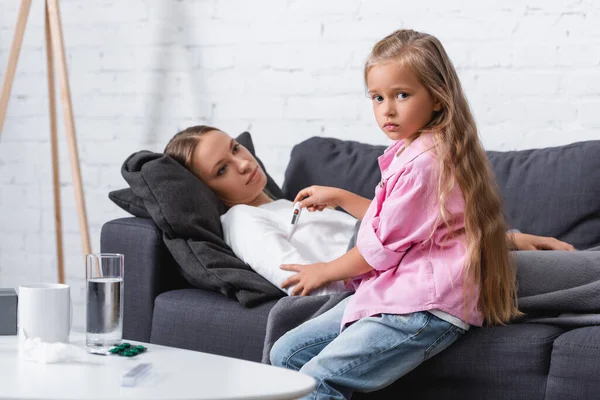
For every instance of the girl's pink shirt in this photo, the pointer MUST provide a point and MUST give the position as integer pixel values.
(417, 267)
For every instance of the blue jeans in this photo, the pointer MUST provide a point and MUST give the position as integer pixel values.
(368, 355)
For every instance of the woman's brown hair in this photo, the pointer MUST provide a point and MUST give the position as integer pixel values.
(181, 146)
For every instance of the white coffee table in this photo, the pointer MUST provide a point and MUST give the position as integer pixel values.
(176, 374)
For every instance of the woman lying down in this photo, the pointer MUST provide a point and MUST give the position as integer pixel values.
(257, 228)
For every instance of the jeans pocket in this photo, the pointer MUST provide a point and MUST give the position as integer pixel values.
(403, 318)
(416, 322)
(444, 341)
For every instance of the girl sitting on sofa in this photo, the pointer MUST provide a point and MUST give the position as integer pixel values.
(256, 227)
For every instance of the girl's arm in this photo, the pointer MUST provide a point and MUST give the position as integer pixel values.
(354, 204)
(318, 197)
(311, 277)
(349, 265)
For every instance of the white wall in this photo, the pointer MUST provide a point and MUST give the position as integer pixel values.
(285, 69)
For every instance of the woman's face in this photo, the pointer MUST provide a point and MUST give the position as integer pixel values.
(228, 169)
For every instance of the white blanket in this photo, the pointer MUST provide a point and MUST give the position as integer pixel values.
(259, 237)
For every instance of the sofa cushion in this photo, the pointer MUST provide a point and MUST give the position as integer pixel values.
(553, 191)
(133, 204)
(549, 192)
(575, 365)
(203, 321)
(332, 162)
(504, 362)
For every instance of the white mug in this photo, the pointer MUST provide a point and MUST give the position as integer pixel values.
(45, 311)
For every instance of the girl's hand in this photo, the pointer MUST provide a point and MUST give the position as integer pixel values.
(524, 241)
(308, 278)
(317, 198)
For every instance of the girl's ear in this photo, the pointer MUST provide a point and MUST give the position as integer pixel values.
(437, 106)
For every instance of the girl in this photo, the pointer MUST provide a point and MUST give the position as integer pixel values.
(431, 257)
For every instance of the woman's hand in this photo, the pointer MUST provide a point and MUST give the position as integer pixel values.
(523, 241)
(308, 278)
(317, 198)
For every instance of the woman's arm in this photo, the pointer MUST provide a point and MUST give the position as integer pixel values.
(523, 241)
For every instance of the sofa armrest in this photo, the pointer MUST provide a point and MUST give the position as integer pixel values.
(149, 270)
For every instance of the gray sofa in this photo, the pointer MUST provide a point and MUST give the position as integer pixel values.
(552, 191)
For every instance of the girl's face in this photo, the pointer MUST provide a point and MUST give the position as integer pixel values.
(228, 169)
(402, 105)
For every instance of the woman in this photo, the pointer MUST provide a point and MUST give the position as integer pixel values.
(256, 226)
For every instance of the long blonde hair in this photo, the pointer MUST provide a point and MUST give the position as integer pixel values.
(462, 160)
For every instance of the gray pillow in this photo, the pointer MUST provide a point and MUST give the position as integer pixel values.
(128, 201)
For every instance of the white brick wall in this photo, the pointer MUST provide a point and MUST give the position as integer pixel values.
(286, 69)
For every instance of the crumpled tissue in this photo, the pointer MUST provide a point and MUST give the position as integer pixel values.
(33, 349)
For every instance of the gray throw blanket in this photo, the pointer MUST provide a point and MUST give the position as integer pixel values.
(555, 287)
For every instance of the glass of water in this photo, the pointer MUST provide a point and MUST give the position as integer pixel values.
(104, 301)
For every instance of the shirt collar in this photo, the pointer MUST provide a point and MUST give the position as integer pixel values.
(419, 146)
